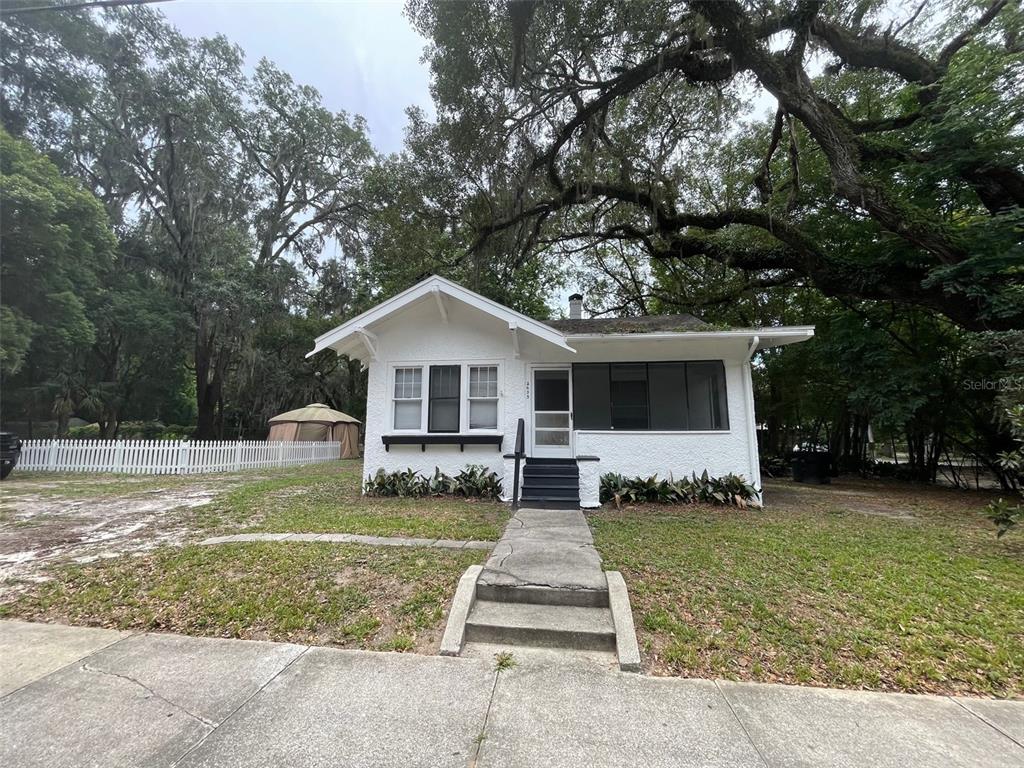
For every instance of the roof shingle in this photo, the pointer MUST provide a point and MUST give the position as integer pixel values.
(645, 324)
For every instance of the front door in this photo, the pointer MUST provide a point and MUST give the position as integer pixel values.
(552, 413)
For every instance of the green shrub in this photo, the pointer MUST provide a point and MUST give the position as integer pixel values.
(1009, 514)
(474, 481)
(136, 430)
(727, 490)
(775, 466)
(89, 431)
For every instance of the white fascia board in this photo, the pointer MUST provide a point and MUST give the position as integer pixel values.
(332, 338)
(769, 337)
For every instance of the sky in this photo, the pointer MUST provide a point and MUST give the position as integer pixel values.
(363, 57)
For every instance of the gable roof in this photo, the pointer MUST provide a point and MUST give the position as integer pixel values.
(340, 339)
(356, 337)
(645, 324)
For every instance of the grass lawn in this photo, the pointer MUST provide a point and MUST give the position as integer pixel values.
(138, 565)
(324, 594)
(857, 585)
(327, 498)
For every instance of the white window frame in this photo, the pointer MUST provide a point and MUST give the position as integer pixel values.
(393, 381)
(496, 399)
(465, 365)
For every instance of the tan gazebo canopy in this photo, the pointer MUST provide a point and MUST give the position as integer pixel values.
(317, 422)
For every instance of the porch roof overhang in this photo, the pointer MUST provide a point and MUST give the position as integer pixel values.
(357, 339)
(765, 337)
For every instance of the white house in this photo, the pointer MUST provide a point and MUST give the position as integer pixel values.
(451, 373)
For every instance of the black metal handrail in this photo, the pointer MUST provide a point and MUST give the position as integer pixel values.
(520, 453)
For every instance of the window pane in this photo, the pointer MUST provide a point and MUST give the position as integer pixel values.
(667, 382)
(629, 395)
(407, 414)
(483, 381)
(444, 415)
(591, 401)
(551, 391)
(705, 384)
(483, 414)
(443, 408)
(551, 436)
(408, 382)
(552, 420)
(444, 381)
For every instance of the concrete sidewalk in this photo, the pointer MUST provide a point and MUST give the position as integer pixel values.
(90, 697)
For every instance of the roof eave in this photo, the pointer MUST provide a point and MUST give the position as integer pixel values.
(338, 338)
(792, 334)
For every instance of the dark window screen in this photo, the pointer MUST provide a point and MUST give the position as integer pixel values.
(551, 391)
(671, 396)
(629, 395)
(667, 384)
(705, 385)
(590, 396)
(444, 398)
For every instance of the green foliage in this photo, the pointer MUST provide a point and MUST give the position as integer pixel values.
(475, 481)
(225, 189)
(1006, 514)
(726, 490)
(132, 430)
(57, 249)
(775, 465)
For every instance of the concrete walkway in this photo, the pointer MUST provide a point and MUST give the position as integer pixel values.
(351, 538)
(92, 697)
(545, 548)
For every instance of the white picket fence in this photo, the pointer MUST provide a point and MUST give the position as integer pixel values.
(169, 457)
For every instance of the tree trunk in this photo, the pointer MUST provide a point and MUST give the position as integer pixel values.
(208, 386)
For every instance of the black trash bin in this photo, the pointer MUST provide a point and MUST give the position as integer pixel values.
(812, 466)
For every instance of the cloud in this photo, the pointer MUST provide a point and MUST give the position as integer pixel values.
(363, 57)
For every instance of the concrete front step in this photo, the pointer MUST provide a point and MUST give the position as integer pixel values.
(541, 595)
(550, 502)
(537, 656)
(552, 626)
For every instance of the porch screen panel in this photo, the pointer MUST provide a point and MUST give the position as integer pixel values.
(591, 401)
(629, 395)
(669, 396)
(443, 413)
(705, 388)
(551, 391)
(667, 384)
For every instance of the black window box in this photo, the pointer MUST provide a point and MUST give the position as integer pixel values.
(441, 439)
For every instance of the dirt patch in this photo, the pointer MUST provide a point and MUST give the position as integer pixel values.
(38, 531)
(903, 502)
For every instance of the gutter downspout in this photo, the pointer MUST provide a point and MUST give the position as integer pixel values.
(748, 385)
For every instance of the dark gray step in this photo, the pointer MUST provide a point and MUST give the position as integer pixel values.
(537, 595)
(549, 472)
(552, 626)
(550, 493)
(536, 461)
(559, 481)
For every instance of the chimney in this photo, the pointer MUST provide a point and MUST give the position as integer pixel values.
(576, 306)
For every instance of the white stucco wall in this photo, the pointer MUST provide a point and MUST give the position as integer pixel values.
(590, 484)
(418, 336)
